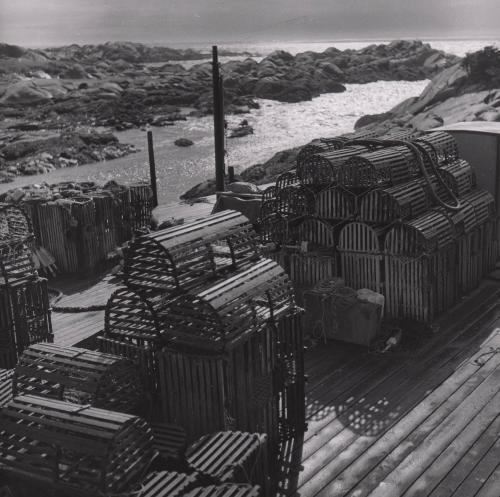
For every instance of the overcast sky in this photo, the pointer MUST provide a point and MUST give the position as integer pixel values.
(55, 22)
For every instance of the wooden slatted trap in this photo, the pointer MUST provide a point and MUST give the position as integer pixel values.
(458, 176)
(321, 170)
(380, 168)
(319, 146)
(399, 202)
(134, 327)
(186, 256)
(275, 228)
(400, 134)
(335, 204)
(74, 448)
(361, 256)
(15, 226)
(6, 386)
(294, 201)
(443, 144)
(231, 457)
(166, 484)
(228, 490)
(316, 232)
(291, 376)
(420, 268)
(230, 309)
(16, 265)
(467, 237)
(205, 392)
(80, 376)
(285, 179)
(25, 318)
(487, 242)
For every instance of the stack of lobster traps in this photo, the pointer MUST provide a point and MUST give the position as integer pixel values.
(81, 224)
(214, 329)
(24, 302)
(398, 214)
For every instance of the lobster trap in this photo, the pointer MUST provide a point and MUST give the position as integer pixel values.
(420, 268)
(15, 226)
(80, 376)
(361, 249)
(459, 176)
(443, 145)
(335, 204)
(190, 255)
(322, 170)
(73, 448)
(399, 202)
(380, 168)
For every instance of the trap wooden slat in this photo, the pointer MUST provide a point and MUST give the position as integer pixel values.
(335, 204)
(166, 484)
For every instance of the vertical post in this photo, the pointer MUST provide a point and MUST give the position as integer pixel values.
(152, 168)
(230, 171)
(218, 121)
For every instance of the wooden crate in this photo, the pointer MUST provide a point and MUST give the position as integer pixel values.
(399, 202)
(186, 256)
(6, 386)
(227, 490)
(74, 448)
(322, 169)
(80, 376)
(380, 168)
(335, 204)
(420, 267)
(443, 144)
(166, 484)
(231, 457)
(361, 249)
(205, 392)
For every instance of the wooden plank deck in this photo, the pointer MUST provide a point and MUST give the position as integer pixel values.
(423, 422)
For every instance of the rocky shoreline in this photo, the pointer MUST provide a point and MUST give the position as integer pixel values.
(50, 99)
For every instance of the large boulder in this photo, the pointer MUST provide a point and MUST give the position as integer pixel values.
(25, 93)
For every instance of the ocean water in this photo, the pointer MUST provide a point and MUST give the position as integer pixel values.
(277, 126)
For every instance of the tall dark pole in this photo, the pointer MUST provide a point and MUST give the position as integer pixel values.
(152, 168)
(218, 121)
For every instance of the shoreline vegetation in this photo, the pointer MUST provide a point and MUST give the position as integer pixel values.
(55, 102)
(60, 106)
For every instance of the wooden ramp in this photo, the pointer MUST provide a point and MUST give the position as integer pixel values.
(422, 422)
